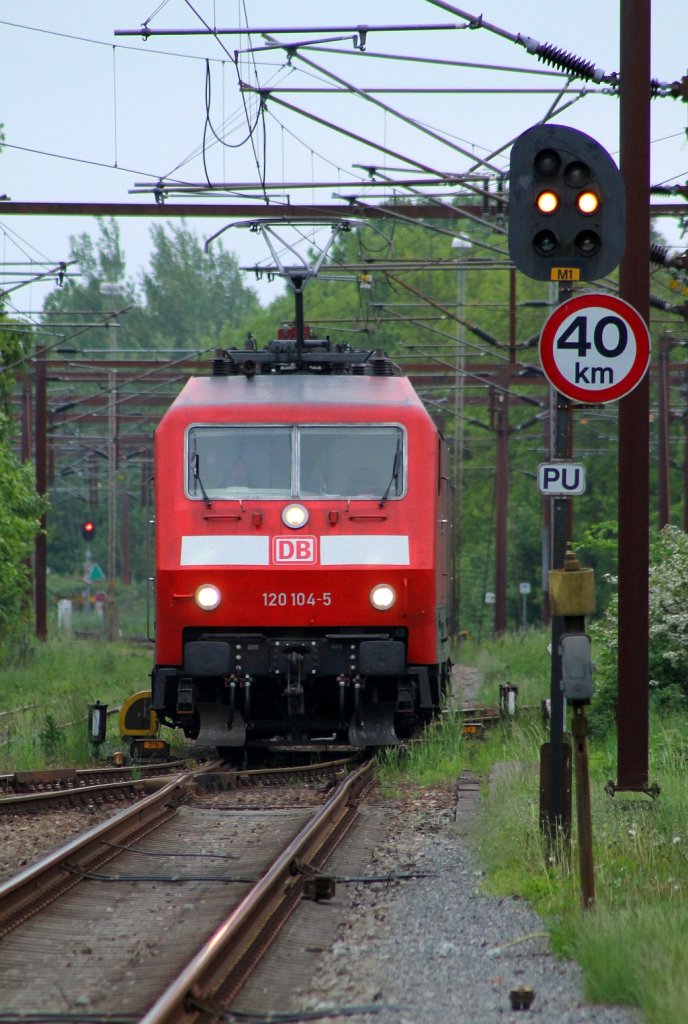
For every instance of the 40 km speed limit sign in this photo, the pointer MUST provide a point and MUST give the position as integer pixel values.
(595, 348)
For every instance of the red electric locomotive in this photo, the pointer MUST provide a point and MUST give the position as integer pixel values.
(303, 588)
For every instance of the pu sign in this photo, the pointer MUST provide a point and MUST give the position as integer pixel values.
(561, 479)
(293, 549)
(595, 348)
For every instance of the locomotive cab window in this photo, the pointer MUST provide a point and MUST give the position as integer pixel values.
(326, 461)
(230, 462)
(351, 461)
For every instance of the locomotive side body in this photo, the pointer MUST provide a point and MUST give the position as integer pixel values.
(302, 539)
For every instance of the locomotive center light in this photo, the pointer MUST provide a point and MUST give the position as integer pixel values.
(207, 597)
(547, 202)
(295, 516)
(383, 597)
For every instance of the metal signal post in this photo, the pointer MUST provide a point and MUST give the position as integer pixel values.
(561, 444)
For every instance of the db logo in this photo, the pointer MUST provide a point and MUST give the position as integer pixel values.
(293, 549)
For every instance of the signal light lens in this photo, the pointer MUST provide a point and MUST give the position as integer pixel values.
(547, 162)
(295, 516)
(588, 203)
(545, 243)
(383, 597)
(88, 529)
(207, 597)
(577, 174)
(587, 243)
(547, 202)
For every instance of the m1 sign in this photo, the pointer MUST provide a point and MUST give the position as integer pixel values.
(595, 348)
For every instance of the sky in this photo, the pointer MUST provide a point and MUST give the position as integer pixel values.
(89, 115)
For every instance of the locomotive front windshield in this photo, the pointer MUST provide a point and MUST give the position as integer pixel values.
(324, 461)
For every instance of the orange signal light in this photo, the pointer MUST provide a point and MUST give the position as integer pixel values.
(547, 202)
(588, 202)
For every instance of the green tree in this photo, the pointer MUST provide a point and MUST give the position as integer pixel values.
(98, 309)
(20, 506)
(183, 303)
(190, 294)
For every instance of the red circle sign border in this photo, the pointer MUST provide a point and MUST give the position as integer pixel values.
(638, 327)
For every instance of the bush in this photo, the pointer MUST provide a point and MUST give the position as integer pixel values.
(668, 637)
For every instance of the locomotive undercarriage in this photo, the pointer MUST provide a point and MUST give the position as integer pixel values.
(298, 686)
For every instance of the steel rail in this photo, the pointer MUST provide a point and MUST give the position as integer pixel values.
(79, 785)
(76, 794)
(77, 779)
(222, 964)
(28, 892)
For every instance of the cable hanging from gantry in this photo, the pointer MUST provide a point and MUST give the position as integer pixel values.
(419, 165)
(351, 88)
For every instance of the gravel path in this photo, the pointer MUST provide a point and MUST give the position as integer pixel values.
(436, 949)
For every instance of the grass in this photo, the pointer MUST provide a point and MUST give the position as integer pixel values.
(631, 944)
(521, 659)
(60, 678)
(437, 758)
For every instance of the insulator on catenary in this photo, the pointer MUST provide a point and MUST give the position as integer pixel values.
(564, 61)
(660, 255)
(663, 304)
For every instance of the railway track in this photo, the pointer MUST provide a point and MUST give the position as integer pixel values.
(46, 789)
(34, 791)
(163, 911)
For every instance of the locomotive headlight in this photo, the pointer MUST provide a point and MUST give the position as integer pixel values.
(383, 597)
(207, 597)
(294, 516)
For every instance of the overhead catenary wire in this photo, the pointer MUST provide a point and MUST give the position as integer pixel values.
(409, 58)
(543, 51)
(472, 22)
(263, 94)
(350, 86)
(482, 24)
(234, 59)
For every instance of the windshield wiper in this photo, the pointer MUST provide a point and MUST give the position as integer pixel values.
(396, 466)
(197, 476)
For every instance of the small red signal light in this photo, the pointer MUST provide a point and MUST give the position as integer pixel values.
(88, 529)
